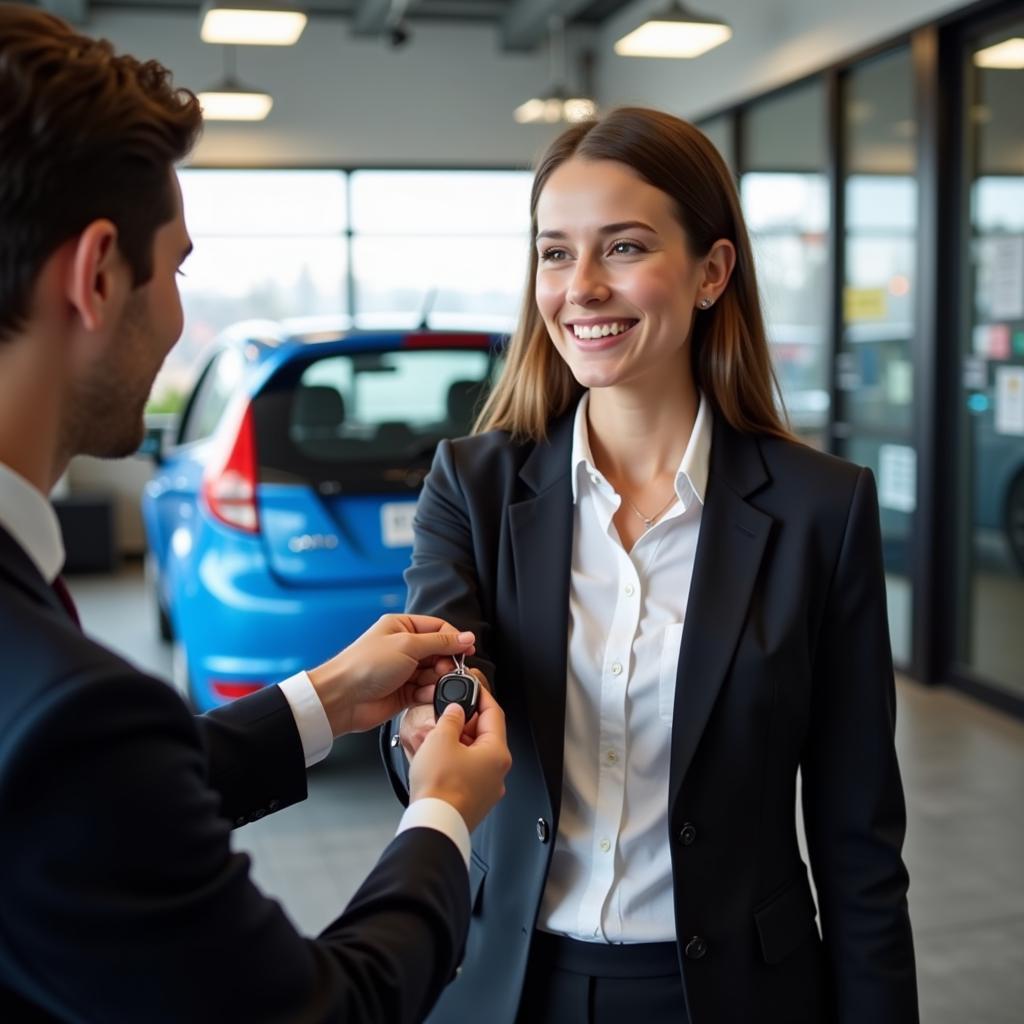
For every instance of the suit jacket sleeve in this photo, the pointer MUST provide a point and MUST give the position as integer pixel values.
(123, 900)
(442, 580)
(854, 812)
(254, 755)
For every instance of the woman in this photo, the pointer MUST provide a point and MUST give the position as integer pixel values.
(680, 606)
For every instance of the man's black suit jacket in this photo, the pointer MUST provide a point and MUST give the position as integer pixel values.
(120, 898)
(785, 663)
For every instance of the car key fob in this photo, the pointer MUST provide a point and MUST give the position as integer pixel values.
(458, 687)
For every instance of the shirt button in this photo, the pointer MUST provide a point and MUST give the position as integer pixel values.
(687, 834)
(629, 589)
(696, 948)
(542, 830)
(616, 669)
(605, 846)
(612, 757)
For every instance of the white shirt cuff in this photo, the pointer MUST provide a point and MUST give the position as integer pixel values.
(310, 717)
(431, 812)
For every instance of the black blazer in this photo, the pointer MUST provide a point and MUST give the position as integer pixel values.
(784, 664)
(121, 898)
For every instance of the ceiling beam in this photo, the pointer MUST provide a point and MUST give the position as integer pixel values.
(75, 11)
(370, 17)
(527, 22)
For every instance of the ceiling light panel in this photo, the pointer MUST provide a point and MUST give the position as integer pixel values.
(672, 39)
(1008, 55)
(252, 27)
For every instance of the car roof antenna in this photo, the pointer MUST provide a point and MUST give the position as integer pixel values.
(427, 308)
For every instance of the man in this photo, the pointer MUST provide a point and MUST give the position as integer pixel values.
(120, 898)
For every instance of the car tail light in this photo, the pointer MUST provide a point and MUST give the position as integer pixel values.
(229, 485)
(232, 690)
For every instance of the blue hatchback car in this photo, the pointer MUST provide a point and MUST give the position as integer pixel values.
(279, 522)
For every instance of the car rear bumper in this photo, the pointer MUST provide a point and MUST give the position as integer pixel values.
(238, 625)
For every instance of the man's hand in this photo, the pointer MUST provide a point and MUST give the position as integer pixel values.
(377, 675)
(471, 777)
(418, 720)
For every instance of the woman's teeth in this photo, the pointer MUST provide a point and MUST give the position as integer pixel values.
(591, 331)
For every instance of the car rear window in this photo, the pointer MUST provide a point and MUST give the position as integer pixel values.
(367, 420)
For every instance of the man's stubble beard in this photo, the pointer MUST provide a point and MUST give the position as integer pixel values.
(105, 416)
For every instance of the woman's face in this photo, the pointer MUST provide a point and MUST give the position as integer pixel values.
(616, 284)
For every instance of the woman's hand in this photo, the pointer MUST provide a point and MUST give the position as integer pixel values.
(418, 720)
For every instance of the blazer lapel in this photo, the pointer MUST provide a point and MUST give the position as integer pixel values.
(18, 569)
(732, 541)
(541, 534)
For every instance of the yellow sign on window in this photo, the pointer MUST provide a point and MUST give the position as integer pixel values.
(863, 304)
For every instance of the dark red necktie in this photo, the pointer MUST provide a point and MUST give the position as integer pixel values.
(61, 590)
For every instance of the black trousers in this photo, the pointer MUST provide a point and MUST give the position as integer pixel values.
(570, 982)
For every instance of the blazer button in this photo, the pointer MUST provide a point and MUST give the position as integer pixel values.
(696, 948)
(542, 830)
(687, 834)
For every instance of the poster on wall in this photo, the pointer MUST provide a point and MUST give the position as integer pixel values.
(1009, 410)
(1001, 277)
(897, 477)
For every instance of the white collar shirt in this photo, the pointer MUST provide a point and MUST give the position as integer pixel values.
(611, 873)
(27, 515)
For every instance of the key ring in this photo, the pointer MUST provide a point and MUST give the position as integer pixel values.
(458, 687)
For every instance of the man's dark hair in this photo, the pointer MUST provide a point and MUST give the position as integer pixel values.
(84, 134)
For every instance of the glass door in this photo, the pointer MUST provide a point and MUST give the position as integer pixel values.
(990, 638)
(874, 379)
(785, 195)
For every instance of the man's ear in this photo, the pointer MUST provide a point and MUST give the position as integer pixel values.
(98, 277)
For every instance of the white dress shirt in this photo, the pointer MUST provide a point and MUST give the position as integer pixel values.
(27, 515)
(611, 872)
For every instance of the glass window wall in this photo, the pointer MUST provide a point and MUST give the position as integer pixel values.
(784, 190)
(991, 597)
(380, 248)
(874, 376)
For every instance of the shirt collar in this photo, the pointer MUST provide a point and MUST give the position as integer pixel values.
(692, 475)
(27, 515)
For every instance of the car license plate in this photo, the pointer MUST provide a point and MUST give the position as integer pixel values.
(396, 523)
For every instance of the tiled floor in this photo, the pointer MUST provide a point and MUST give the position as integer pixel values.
(963, 768)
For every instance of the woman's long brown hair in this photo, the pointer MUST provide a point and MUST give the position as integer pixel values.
(729, 350)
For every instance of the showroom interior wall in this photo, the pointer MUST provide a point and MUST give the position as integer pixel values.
(774, 42)
(444, 99)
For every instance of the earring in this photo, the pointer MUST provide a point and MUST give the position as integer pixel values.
(705, 303)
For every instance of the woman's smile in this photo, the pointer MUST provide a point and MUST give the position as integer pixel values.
(599, 335)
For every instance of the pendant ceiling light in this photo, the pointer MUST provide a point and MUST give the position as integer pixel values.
(230, 100)
(676, 32)
(557, 103)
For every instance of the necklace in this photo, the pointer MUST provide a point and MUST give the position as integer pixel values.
(650, 520)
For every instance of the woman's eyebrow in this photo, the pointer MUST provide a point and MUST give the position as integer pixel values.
(607, 229)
